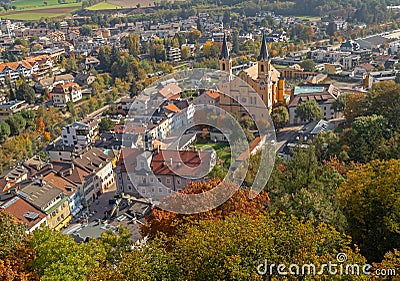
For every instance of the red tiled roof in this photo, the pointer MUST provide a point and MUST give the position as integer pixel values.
(127, 153)
(212, 94)
(172, 107)
(183, 162)
(20, 207)
(170, 91)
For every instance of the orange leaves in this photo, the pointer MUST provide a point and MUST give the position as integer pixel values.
(40, 126)
(168, 222)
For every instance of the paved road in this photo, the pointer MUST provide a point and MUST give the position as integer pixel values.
(286, 134)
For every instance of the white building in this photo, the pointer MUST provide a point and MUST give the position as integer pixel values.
(78, 135)
(100, 164)
(63, 93)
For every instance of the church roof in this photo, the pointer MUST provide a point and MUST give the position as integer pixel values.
(252, 71)
(264, 51)
(225, 51)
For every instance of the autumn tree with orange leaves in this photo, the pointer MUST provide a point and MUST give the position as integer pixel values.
(161, 221)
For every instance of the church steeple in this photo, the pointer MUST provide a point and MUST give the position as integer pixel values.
(225, 51)
(263, 60)
(264, 50)
(225, 62)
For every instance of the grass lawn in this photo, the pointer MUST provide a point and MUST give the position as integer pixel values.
(37, 4)
(310, 18)
(31, 16)
(104, 6)
(222, 149)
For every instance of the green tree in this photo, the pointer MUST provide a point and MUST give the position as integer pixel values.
(309, 110)
(86, 30)
(11, 234)
(25, 92)
(308, 65)
(339, 104)
(133, 44)
(5, 131)
(306, 189)
(17, 124)
(106, 124)
(367, 138)
(280, 116)
(59, 257)
(370, 200)
(72, 110)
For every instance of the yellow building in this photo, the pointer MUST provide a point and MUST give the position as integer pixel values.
(49, 199)
(263, 78)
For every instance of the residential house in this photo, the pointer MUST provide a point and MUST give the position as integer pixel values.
(158, 174)
(208, 97)
(84, 79)
(325, 95)
(78, 134)
(68, 187)
(97, 162)
(25, 212)
(49, 83)
(49, 199)
(11, 107)
(14, 70)
(173, 54)
(12, 176)
(63, 93)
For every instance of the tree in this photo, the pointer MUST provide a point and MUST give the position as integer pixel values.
(59, 257)
(235, 42)
(367, 138)
(384, 99)
(309, 110)
(15, 255)
(133, 44)
(86, 30)
(193, 36)
(308, 65)
(306, 189)
(12, 234)
(17, 124)
(370, 200)
(106, 124)
(356, 105)
(26, 92)
(339, 104)
(4, 131)
(72, 110)
(280, 116)
(397, 79)
(161, 221)
(185, 52)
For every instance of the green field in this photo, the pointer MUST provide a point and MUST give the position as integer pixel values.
(222, 149)
(30, 16)
(39, 4)
(104, 6)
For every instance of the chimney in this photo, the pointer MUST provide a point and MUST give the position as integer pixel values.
(170, 162)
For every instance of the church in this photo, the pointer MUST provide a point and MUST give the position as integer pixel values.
(262, 77)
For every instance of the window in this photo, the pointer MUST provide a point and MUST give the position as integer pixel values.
(262, 68)
(178, 181)
(168, 180)
(223, 66)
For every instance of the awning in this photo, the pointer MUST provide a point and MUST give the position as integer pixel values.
(63, 223)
